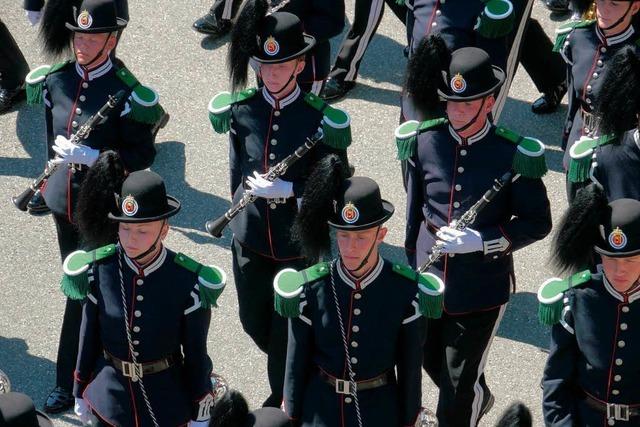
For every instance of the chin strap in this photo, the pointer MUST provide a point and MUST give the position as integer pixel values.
(622, 18)
(291, 77)
(153, 245)
(473, 120)
(366, 258)
(98, 55)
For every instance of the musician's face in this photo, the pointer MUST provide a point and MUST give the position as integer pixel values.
(609, 12)
(136, 238)
(354, 246)
(87, 46)
(276, 77)
(460, 113)
(622, 273)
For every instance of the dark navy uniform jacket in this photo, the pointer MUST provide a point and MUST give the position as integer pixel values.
(384, 331)
(594, 350)
(616, 167)
(263, 132)
(166, 320)
(122, 6)
(447, 175)
(71, 96)
(588, 54)
(323, 19)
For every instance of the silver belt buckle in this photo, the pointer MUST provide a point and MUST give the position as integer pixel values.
(343, 387)
(618, 412)
(132, 370)
(277, 200)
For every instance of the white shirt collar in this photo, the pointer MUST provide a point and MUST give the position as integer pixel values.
(279, 104)
(473, 138)
(616, 39)
(153, 266)
(99, 71)
(365, 280)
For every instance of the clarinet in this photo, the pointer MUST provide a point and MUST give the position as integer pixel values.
(215, 227)
(468, 217)
(82, 133)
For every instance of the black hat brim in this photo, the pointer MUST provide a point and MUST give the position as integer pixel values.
(387, 208)
(309, 42)
(120, 24)
(610, 254)
(172, 209)
(497, 73)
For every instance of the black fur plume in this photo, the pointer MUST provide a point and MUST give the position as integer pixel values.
(310, 229)
(516, 415)
(424, 74)
(243, 41)
(55, 37)
(581, 6)
(230, 411)
(578, 231)
(619, 101)
(97, 198)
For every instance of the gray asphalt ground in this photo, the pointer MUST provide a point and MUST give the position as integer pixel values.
(187, 69)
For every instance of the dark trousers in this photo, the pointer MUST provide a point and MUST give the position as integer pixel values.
(546, 68)
(225, 9)
(253, 274)
(68, 241)
(455, 354)
(13, 66)
(367, 16)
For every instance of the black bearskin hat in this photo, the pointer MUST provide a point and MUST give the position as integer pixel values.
(516, 415)
(55, 36)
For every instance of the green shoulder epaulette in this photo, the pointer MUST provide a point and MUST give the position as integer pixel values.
(35, 81)
(145, 105)
(75, 281)
(211, 279)
(551, 293)
(496, 20)
(288, 285)
(407, 134)
(336, 123)
(581, 155)
(563, 31)
(529, 159)
(430, 290)
(220, 108)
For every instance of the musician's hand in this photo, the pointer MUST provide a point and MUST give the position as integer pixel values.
(459, 242)
(72, 153)
(33, 16)
(82, 410)
(260, 187)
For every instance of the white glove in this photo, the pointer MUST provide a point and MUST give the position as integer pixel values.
(33, 16)
(459, 242)
(82, 410)
(269, 189)
(72, 153)
(198, 423)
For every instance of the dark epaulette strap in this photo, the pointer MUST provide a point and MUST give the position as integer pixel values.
(581, 155)
(528, 160)
(407, 135)
(144, 101)
(75, 281)
(211, 279)
(288, 285)
(336, 123)
(497, 19)
(551, 294)
(564, 30)
(220, 108)
(35, 81)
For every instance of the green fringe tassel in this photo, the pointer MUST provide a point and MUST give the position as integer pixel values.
(148, 115)
(579, 169)
(286, 307)
(559, 43)
(528, 166)
(430, 306)
(75, 287)
(209, 297)
(221, 122)
(549, 314)
(400, 2)
(492, 28)
(34, 93)
(337, 138)
(406, 147)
